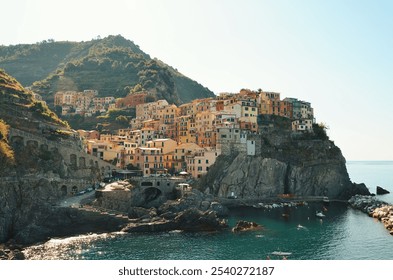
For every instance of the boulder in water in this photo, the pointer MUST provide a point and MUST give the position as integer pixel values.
(381, 190)
(245, 226)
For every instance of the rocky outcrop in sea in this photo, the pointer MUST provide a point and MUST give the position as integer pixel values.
(381, 190)
(245, 226)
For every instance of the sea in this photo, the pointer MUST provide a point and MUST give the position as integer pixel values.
(344, 234)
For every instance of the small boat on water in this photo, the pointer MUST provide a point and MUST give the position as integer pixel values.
(281, 254)
(319, 214)
(326, 200)
(299, 227)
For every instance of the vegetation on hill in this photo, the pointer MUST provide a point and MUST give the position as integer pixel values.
(113, 66)
(17, 102)
(6, 152)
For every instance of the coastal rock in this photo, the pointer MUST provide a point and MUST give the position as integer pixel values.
(306, 168)
(245, 226)
(158, 226)
(188, 220)
(220, 209)
(381, 190)
(11, 251)
(141, 213)
(195, 220)
(194, 199)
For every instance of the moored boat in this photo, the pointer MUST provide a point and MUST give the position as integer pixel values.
(320, 214)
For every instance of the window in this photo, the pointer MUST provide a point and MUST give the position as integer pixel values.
(207, 161)
(199, 168)
(199, 161)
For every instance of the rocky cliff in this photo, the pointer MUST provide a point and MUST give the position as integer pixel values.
(285, 163)
(34, 166)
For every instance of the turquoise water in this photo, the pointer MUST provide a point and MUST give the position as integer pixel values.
(344, 234)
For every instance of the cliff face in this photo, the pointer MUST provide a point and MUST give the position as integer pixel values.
(23, 203)
(283, 165)
(28, 214)
(40, 163)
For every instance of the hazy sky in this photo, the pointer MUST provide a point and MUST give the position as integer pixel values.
(336, 54)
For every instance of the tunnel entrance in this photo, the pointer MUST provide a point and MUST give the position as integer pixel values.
(151, 194)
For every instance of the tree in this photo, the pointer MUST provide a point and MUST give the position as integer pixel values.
(122, 120)
(319, 130)
(137, 88)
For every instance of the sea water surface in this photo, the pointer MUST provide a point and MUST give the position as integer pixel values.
(344, 234)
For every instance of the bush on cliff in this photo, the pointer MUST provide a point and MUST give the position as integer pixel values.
(6, 152)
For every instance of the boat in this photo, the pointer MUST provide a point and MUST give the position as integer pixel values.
(281, 254)
(325, 200)
(320, 214)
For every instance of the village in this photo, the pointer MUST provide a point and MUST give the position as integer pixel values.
(167, 139)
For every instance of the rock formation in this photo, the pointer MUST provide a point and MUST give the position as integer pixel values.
(283, 164)
(381, 190)
(245, 226)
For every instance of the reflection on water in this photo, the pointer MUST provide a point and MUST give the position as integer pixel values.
(68, 248)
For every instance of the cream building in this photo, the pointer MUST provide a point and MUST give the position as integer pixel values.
(198, 164)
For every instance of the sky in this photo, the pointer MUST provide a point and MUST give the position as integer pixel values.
(336, 54)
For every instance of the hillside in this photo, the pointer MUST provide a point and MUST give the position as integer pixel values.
(38, 157)
(19, 108)
(113, 66)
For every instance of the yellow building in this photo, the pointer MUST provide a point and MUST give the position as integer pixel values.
(147, 111)
(165, 145)
(199, 163)
(185, 129)
(167, 114)
(207, 138)
(204, 121)
(269, 103)
(156, 157)
(181, 153)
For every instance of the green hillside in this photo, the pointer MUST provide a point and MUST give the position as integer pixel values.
(113, 66)
(18, 107)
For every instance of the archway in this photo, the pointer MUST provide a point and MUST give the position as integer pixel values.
(32, 143)
(73, 160)
(63, 190)
(82, 162)
(151, 194)
(17, 140)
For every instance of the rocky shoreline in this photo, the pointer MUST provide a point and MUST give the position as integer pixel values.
(374, 208)
(11, 251)
(195, 211)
